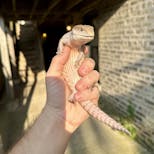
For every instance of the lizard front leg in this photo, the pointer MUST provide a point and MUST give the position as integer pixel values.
(80, 57)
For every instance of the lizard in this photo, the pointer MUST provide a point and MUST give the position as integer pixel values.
(76, 40)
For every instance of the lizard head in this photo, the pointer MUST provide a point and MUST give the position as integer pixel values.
(84, 33)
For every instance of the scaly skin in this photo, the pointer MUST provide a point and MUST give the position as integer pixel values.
(79, 36)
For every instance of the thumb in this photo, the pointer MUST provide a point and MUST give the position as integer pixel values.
(58, 62)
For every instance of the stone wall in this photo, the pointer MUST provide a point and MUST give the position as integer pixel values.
(126, 61)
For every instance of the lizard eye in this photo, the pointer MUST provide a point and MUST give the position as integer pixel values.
(80, 29)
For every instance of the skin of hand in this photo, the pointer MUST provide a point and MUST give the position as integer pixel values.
(51, 132)
(58, 92)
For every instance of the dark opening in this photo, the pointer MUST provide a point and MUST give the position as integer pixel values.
(50, 43)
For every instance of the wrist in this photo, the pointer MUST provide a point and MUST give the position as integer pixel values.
(59, 116)
(52, 139)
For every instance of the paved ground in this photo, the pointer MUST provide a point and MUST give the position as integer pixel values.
(95, 138)
(91, 138)
(17, 116)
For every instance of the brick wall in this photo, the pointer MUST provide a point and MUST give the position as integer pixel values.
(126, 61)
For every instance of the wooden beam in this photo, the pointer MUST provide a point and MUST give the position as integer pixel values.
(35, 4)
(77, 16)
(69, 6)
(72, 4)
(14, 8)
(90, 6)
(51, 6)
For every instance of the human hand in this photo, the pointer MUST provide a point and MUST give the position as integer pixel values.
(58, 91)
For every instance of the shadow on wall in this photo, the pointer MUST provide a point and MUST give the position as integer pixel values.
(28, 66)
(139, 95)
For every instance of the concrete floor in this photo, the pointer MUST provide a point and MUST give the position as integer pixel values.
(18, 115)
(93, 137)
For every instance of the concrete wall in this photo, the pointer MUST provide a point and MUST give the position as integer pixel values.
(126, 61)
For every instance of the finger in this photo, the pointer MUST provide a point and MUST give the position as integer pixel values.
(87, 81)
(87, 66)
(88, 94)
(58, 62)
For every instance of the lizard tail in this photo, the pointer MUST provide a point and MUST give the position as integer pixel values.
(97, 113)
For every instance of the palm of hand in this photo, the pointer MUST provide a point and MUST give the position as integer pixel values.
(57, 95)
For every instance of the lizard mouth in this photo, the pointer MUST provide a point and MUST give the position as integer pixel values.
(87, 36)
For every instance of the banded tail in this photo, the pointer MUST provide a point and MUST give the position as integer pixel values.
(98, 114)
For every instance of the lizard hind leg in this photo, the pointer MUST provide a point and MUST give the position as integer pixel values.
(71, 97)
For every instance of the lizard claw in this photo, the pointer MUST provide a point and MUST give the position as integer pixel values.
(71, 97)
(79, 59)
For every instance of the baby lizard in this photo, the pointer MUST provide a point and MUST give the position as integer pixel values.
(76, 39)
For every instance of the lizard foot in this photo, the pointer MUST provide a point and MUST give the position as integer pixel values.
(71, 97)
(79, 59)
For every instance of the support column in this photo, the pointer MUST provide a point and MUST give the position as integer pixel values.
(5, 60)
